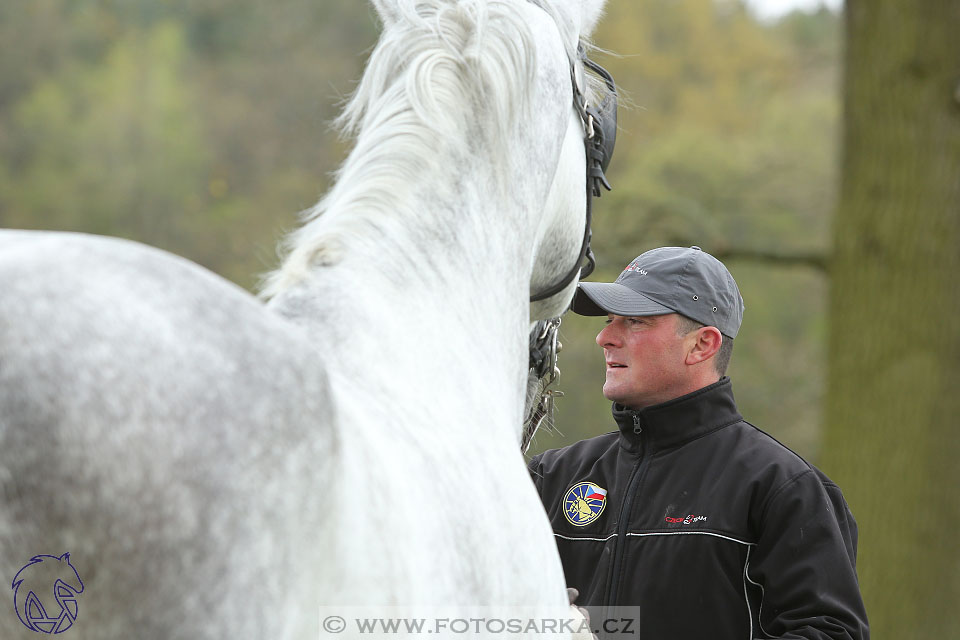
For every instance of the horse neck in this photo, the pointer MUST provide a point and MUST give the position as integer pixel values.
(414, 282)
(420, 313)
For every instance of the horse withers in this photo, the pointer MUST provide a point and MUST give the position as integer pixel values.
(221, 466)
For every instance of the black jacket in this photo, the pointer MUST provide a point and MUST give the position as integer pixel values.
(709, 527)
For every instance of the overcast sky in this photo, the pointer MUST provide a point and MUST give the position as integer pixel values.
(775, 8)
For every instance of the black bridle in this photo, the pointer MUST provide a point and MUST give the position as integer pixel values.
(600, 135)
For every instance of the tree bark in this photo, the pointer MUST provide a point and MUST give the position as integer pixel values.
(892, 433)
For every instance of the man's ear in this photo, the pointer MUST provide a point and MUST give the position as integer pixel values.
(706, 343)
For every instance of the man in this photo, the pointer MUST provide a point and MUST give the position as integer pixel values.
(704, 525)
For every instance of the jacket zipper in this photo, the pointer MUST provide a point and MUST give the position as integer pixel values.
(625, 508)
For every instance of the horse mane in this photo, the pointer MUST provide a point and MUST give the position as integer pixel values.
(441, 68)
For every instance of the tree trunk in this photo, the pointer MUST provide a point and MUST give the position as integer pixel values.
(892, 435)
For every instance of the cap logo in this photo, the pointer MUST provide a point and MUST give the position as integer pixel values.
(634, 267)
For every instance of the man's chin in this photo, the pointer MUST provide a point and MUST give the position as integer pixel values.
(613, 395)
(622, 398)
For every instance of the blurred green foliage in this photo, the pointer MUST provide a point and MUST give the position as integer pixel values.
(200, 127)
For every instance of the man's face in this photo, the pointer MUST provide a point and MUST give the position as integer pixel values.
(645, 360)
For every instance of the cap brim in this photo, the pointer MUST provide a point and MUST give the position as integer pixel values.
(601, 298)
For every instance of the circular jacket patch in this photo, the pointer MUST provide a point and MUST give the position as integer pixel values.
(583, 503)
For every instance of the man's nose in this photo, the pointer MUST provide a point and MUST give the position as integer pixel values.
(607, 336)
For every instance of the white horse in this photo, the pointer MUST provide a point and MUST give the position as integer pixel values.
(217, 467)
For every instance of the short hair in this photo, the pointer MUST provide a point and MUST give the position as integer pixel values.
(721, 360)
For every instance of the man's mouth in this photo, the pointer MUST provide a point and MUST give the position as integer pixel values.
(616, 365)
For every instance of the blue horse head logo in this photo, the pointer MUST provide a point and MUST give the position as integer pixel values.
(45, 593)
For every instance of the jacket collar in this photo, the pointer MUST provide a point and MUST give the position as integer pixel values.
(679, 420)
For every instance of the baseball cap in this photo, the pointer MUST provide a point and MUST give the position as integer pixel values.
(690, 282)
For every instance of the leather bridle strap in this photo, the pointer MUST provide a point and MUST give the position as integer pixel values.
(598, 144)
(585, 252)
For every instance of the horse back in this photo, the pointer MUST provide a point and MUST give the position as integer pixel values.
(156, 420)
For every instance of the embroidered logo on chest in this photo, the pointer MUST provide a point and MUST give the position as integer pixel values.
(583, 503)
(690, 519)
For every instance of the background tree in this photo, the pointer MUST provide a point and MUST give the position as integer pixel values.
(892, 436)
